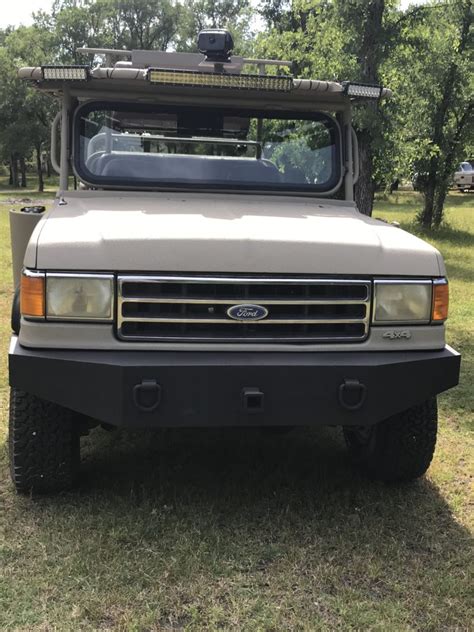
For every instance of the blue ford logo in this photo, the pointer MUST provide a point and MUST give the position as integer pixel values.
(247, 312)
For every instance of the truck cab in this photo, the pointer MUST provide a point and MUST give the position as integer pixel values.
(204, 264)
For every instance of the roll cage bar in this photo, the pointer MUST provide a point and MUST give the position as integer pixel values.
(64, 119)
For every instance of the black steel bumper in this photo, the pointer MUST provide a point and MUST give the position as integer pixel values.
(148, 388)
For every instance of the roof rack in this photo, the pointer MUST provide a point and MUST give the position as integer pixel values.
(183, 61)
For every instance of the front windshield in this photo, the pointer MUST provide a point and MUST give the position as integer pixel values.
(466, 166)
(156, 147)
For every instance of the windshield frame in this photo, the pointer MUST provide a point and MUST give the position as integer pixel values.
(116, 183)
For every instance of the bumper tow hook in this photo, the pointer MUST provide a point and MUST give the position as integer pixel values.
(352, 394)
(147, 396)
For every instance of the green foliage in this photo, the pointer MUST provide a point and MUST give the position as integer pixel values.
(427, 125)
(138, 24)
(25, 114)
(338, 40)
(427, 119)
(234, 15)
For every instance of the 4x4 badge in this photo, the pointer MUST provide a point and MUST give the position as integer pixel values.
(396, 334)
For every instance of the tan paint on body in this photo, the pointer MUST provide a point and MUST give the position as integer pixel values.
(225, 233)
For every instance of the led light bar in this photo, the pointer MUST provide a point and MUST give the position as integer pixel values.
(168, 77)
(65, 73)
(363, 90)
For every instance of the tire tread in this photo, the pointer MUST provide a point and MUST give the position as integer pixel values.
(43, 445)
(401, 448)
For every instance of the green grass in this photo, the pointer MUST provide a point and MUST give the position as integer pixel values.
(209, 530)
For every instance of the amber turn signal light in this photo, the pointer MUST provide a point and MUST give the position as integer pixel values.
(440, 301)
(32, 294)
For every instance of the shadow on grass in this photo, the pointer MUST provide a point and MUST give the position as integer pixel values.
(410, 200)
(185, 517)
(452, 236)
(245, 481)
(445, 235)
(459, 272)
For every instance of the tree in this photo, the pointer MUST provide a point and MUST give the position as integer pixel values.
(25, 114)
(431, 112)
(369, 47)
(338, 39)
(148, 24)
(15, 143)
(449, 111)
(424, 54)
(128, 24)
(142, 24)
(234, 15)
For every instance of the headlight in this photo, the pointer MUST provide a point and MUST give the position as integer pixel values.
(401, 301)
(81, 297)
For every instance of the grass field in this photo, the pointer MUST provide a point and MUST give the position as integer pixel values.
(210, 530)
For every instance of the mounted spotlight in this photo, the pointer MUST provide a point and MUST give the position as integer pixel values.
(65, 73)
(216, 44)
(190, 78)
(362, 90)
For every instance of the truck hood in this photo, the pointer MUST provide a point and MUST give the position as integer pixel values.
(180, 232)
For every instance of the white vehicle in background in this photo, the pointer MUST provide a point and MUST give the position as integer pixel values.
(464, 177)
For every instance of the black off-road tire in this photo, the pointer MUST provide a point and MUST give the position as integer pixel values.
(397, 449)
(44, 445)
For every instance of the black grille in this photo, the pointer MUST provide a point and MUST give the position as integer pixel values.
(195, 309)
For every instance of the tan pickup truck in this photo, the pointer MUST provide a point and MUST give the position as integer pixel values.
(211, 268)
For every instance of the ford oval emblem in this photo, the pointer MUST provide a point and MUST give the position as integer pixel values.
(247, 312)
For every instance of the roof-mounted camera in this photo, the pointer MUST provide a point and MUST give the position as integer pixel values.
(216, 44)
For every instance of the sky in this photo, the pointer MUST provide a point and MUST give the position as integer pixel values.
(14, 12)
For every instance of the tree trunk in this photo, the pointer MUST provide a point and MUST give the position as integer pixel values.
(14, 170)
(39, 168)
(48, 166)
(365, 187)
(438, 206)
(23, 172)
(370, 55)
(426, 216)
(10, 172)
